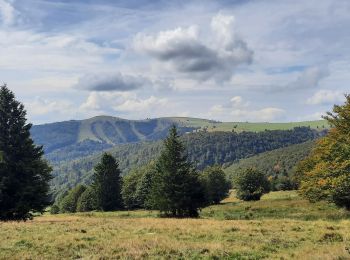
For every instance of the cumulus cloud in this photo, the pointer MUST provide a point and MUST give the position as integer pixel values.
(111, 82)
(123, 103)
(187, 52)
(239, 110)
(326, 97)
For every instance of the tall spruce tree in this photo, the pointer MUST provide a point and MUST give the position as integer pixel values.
(176, 189)
(24, 175)
(107, 184)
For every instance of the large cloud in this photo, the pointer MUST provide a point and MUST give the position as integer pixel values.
(326, 97)
(199, 57)
(111, 82)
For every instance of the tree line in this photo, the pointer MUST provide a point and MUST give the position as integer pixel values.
(203, 150)
(171, 185)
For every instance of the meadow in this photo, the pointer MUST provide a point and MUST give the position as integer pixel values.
(280, 226)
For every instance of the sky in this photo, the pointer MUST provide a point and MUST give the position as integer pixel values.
(252, 60)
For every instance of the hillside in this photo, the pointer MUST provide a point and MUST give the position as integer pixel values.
(276, 164)
(83, 137)
(204, 148)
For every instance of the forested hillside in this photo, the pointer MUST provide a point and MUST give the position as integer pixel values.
(204, 148)
(278, 164)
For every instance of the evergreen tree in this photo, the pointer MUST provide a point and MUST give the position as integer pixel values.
(107, 184)
(176, 190)
(24, 175)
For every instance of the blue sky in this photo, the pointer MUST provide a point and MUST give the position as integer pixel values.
(259, 60)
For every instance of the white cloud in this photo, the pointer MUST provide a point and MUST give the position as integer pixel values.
(196, 56)
(326, 97)
(240, 110)
(142, 105)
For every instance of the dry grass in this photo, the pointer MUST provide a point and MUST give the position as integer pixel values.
(138, 235)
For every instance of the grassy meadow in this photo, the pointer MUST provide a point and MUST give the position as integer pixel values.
(212, 126)
(280, 226)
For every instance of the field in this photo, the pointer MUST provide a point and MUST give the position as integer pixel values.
(280, 226)
(247, 126)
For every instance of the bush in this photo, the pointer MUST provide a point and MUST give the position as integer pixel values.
(251, 185)
(87, 200)
(215, 184)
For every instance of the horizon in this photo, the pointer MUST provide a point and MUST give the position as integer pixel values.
(229, 61)
(189, 117)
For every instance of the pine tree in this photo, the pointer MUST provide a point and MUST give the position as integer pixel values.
(177, 191)
(107, 184)
(24, 175)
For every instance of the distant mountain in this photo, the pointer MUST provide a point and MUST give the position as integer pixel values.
(79, 138)
(82, 137)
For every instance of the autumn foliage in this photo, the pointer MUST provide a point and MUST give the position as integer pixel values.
(325, 174)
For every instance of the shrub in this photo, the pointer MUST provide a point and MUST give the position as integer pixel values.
(251, 185)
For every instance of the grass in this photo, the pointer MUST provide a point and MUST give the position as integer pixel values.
(212, 126)
(280, 226)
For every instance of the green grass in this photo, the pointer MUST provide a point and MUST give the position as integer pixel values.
(277, 229)
(247, 126)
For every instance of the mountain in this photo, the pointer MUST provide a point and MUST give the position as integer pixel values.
(78, 138)
(204, 148)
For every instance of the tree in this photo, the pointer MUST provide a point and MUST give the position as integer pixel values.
(215, 184)
(251, 184)
(325, 173)
(177, 191)
(144, 186)
(87, 200)
(24, 175)
(107, 184)
(69, 203)
(137, 186)
(130, 183)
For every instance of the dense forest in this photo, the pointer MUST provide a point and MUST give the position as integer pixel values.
(204, 149)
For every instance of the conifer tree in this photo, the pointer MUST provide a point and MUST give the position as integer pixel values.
(24, 175)
(107, 184)
(176, 189)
